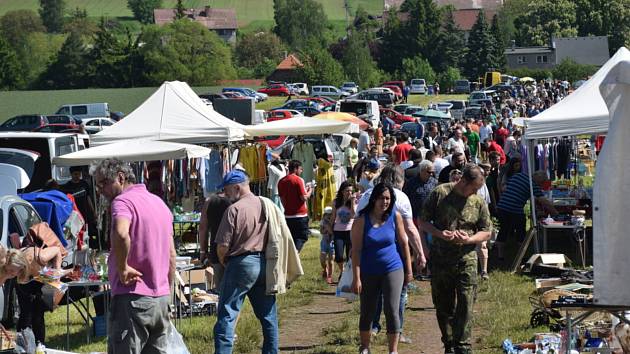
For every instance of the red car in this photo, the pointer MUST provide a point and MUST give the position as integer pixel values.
(396, 89)
(275, 90)
(278, 114)
(273, 141)
(59, 128)
(397, 117)
(400, 84)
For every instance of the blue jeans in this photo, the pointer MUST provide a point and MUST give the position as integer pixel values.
(245, 275)
(401, 310)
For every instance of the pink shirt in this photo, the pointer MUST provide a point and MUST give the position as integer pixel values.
(151, 233)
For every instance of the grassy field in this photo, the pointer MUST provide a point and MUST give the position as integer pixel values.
(13, 103)
(247, 10)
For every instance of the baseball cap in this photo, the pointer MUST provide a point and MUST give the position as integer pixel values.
(373, 165)
(233, 177)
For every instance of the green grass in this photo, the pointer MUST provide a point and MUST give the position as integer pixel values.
(198, 335)
(246, 10)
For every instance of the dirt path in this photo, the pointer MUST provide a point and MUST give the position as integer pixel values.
(300, 330)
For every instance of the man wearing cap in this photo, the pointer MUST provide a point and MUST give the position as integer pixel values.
(240, 244)
(294, 195)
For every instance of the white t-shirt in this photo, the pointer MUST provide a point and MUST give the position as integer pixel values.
(439, 164)
(275, 174)
(484, 193)
(403, 205)
(484, 132)
(457, 144)
(364, 142)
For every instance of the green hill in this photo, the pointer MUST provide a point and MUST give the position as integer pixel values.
(260, 11)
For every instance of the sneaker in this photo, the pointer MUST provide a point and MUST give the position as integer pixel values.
(403, 339)
(484, 276)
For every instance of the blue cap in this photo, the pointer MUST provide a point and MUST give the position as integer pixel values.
(373, 164)
(233, 177)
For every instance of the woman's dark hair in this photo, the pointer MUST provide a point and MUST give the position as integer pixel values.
(378, 190)
(339, 198)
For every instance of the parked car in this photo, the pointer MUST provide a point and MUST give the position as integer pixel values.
(472, 112)
(350, 87)
(411, 110)
(309, 111)
(343, 140)
(301, 88)
(418, 86)
(320, 100)
(279, 114)
(95, 125)
(63, 119)
(330, 91)
(26, 122)
(458, 109)
(397, 117)
(235, 95)
(400, 108)
(461, 86)
(398, 83)
(212, 96)
(59, 128)
(300, 103)
(368, 110)
(117, 116)
(275, 90)
(329, 99)
(477, 96)
(258, 96)
(273, 141)
(444, 106)
(85, 110)
(383, 99)
(412, 128)
(397, 91)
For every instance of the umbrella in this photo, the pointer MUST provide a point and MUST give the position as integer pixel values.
(433, 113)
(527, 79)
(345, 117)
(133, 150)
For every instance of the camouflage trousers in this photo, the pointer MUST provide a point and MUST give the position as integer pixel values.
(453, 288)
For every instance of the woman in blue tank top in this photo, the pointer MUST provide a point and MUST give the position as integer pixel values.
(378, 265)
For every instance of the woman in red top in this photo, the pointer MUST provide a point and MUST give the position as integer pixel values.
(501, 134)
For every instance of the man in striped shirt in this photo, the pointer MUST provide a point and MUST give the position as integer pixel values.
(511, 203)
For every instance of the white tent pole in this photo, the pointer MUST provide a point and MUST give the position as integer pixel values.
(530, 170)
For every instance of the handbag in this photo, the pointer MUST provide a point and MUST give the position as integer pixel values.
(175, 342)
(344, 288)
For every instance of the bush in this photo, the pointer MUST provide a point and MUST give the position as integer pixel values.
(571, 71)
(538, 74)
(447, 78)
(417, 67)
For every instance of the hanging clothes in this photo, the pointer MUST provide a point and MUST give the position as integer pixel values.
(213, 172)
(304, 153)
(564, 158)
(247, 157)
(326, 188)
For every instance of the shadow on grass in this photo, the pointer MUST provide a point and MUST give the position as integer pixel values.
(328, 313)
(77, 338)
(326, 293)
(293, 348)
(421, 309)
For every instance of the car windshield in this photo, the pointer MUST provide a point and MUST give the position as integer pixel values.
(478, 96)
(417, 82)
(458, 105)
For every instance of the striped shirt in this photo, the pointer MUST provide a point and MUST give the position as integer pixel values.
(517, 193)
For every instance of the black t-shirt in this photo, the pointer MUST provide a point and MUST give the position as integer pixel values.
(81, 191)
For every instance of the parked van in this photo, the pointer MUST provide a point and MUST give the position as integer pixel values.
(48, 146)
(367, 110)
(329, 91)
(462, 86)
(418, 86)
(85, 110)
(492, 78)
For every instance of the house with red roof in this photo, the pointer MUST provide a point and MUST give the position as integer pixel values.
(287, 70)
(221, 21)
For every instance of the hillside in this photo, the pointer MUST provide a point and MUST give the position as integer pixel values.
(247, 10)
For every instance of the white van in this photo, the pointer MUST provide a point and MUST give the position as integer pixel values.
(301, 88)
(418, 86)
(85, 110)
(364, 109)
(328, 91)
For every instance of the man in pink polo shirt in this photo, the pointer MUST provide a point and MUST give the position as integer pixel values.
(141, 262)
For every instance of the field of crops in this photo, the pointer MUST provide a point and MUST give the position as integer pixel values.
(246, 10)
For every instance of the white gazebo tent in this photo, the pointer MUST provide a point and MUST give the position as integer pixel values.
(298, 126)
(132, 151)
(172, 113)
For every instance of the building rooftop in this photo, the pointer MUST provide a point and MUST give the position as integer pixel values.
(529, 50)
(289, 63)
(466, 18)
(211, 18)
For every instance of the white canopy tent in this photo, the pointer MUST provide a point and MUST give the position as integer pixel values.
(582, 112)
(298, 126)
(172, 113)
(611, 194)
(133, 150)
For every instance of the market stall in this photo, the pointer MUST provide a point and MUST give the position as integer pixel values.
(298, 126)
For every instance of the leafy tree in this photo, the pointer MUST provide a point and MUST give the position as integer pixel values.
(143, 9)
(447, 78)
(421, 31)
(300, 21)
(499, 43)
(393, 48)
(80, 23)
(544, 19)
(481, 49)
(537, 74)
(571, 71)
(183, 50)
(107, 59)
(70, 69)
(9, 66)
(320, 68)
(452, 43)
(51, 12)
(510, 10)
(417, 67)
(604, 18)
(180, 10)
(358, 64)
(365, 24)
(19, 24)
(253, 49)
(36, 54)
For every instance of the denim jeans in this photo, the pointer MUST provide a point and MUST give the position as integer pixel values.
(245, 276)
(401, 310)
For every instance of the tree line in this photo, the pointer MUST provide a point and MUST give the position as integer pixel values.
(57, 48)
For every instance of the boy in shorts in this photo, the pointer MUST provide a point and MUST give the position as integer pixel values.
(326, 246)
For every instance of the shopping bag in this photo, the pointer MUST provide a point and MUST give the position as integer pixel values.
(176, 343)
(344, 288)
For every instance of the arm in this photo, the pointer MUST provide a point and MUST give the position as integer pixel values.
(357, 246)
(222, 252)
(307, 194)
(171, 263)
(413, 236)
(547, 205)
(203, 233)
(404, 245)
(333, 217)
(50, 255)
(429, 228)
(120, 245)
